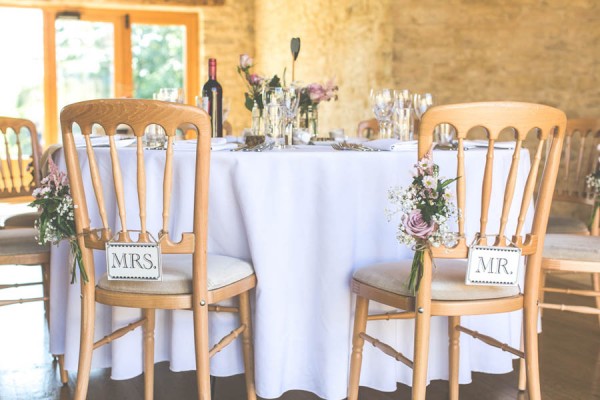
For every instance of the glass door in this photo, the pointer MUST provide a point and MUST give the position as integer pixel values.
(92, 54)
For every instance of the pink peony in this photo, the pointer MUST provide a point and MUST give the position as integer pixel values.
(415, 225)
(246, 61)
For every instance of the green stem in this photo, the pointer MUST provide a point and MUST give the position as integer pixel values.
(416, 271)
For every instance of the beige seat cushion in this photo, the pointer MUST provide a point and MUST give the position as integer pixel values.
(448, 281)
(572, 247)
(20, 241)
(177, 275)
(566, 225)
(24, 220)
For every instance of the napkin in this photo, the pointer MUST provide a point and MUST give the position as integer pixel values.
(470, 144)
(103, 141)
(216, 144)
(392, 145)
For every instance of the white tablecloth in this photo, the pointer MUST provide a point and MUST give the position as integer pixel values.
(307, 218)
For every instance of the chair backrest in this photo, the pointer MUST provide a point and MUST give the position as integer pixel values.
(367, 128)
(19, 157)
(579, 158)
(137, 114)
(535, 122)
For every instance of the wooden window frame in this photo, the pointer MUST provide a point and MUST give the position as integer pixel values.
(123, 79)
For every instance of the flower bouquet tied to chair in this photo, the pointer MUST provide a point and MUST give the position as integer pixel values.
(425, 208)
(57, 220)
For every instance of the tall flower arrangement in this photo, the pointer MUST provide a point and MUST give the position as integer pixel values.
(254, 82)
(425, 208)
(57, 219)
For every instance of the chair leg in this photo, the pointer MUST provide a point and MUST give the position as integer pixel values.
(596, 286)
(64, 377)
(522, 365)
(541, 288)
(148, 327)
(247, 345)
(360, 325)
(86, 345)
(531, 353)
(421, 346)
(46, 290)
(201, 345)
(453, 355)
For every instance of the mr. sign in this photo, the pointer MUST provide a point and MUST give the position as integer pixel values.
(490, 265)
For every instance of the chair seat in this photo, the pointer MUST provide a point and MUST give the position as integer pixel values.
(20, 241)
(177, 275)
(572, 247)
(566, 225)
(448, 281)
(24, 220)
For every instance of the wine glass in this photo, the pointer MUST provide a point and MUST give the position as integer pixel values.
(173, 95)
(382, 102)
(291, 101)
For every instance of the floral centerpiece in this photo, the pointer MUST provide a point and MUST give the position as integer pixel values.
(425, 208)
(254, 83)
(310, 97)
(315, 93)
(593, 183)
(57, 219)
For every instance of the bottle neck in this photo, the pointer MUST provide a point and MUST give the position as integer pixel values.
(212, 69)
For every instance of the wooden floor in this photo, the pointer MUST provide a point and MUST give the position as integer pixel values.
(570, 365)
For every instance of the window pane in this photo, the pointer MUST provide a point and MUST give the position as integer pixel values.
(157, 57)
(22, 66)
(84, 61)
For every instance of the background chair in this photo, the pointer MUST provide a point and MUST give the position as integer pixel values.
(19, 176)
(570, 250)
(443, 292)
(571, 202)
(368, 128)
(192, 280)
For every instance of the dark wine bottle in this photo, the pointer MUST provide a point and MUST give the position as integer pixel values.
(212, 99)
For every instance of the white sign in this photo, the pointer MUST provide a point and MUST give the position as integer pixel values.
(496, 266)
(133, 261)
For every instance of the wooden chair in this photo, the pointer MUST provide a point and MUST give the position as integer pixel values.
(444, 293)
(203, 281)
(569, 250)
(19, 176)
(368, 128)
(579, 159)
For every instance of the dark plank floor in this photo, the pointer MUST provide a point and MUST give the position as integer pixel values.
(570, 364)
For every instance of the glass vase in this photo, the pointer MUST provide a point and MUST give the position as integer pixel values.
(309, 120)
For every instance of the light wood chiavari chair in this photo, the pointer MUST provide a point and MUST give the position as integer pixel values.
(566, 249)
(368, 128)
(443, 292)
(192, 280)
(19, 176)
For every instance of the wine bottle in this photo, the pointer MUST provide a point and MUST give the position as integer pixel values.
(212, 99)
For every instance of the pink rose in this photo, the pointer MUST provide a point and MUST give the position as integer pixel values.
(415, 225)
(255, 79)
(246, 61)
(316, 92)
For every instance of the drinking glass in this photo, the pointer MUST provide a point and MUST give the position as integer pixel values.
(382, 102)
(291, 100)
(274, 108)
(174, 95)
(154, 135)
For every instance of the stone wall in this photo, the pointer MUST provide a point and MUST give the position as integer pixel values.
(459, 50)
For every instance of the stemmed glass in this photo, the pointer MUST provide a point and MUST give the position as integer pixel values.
(291, 101)
(274, 107)
(382, 102)
(174, 95)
